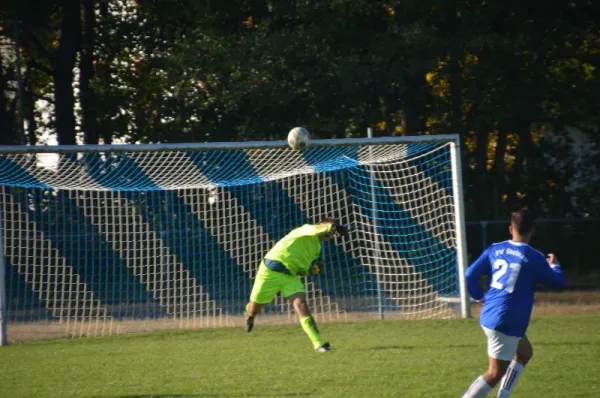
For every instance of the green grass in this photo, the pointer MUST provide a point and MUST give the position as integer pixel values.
(369, 359)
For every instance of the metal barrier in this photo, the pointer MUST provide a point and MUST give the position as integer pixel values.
(574, 240)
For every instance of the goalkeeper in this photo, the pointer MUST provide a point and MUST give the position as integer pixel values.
(293, 256)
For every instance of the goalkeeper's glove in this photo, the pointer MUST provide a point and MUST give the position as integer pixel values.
(340, 230)
(315, 269)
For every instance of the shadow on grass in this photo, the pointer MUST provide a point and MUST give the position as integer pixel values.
(534, 343)
(300, 394)
(564, 343)
(160, 396)
(412, 347)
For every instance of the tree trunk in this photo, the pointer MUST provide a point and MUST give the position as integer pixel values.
(66, 53)
(456, 122)
(414, 106)
(86, 74)
(29, 105)
(8, 133)
(498, 174)
(523, 152)
(104, 129)
(481, 177)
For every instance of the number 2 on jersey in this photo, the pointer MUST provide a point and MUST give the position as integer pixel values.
(501, 267)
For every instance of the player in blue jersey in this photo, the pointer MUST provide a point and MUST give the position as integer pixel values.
(514, 269)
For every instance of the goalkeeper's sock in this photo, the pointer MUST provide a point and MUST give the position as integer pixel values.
(310, 328)
(510, 378)
(479, 389)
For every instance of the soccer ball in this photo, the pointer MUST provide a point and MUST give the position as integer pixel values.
(298, 138)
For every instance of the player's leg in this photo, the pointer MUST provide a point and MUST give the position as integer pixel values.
(307, 321)
(294, 291)
(524, 354)
(501, 350)
(487, 381)
(266, 285)
(253, 308)
(524, 351)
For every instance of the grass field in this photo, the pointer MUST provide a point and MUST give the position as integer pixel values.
(429, 358)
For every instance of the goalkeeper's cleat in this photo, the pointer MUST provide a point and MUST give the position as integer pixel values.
(324, 348)
(249, 324)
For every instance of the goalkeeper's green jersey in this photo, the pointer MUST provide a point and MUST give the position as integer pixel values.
(298, 249)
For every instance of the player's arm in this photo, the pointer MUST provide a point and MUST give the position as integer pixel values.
(550, 273)
(480, 267)
(327, 228)
(316, 229)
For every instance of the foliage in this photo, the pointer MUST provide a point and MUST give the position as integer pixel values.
(507, 77)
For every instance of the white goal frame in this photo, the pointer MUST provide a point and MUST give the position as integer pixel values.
(457, 186)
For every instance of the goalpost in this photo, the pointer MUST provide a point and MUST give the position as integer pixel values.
(108, 239)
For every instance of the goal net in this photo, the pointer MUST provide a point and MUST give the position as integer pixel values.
(99, 240)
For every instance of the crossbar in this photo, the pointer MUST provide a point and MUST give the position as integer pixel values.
(199, 146)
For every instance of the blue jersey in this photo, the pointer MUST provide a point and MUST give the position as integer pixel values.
(514, 269)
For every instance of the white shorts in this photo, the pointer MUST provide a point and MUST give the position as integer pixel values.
(501, 346)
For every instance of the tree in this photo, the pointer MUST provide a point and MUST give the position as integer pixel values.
(507, 77)
(87, 95)
(64, 63)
